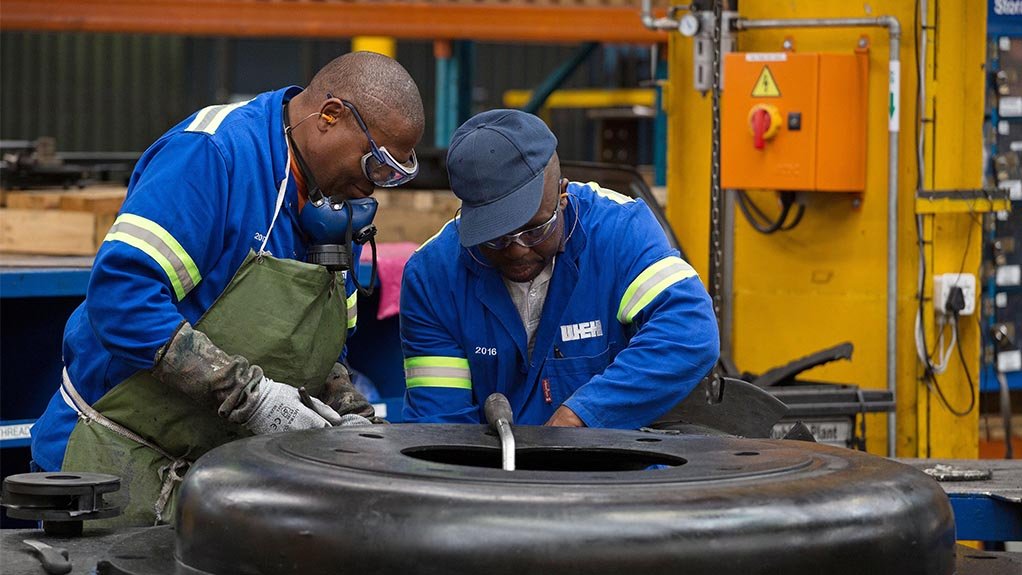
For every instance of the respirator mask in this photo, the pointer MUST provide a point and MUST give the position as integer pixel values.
(334, 224)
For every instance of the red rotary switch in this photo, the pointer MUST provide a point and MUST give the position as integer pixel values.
(764, 122)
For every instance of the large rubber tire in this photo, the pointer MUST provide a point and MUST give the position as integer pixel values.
(432, 499)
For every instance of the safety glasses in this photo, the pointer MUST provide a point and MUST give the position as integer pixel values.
(526, 238)
(379, 166)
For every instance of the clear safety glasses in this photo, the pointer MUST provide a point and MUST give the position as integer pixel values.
(526, 238)
(379, 166)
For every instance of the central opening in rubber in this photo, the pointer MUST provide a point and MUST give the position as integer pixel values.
(547, 458)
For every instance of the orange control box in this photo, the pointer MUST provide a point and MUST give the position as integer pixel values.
(794, 121)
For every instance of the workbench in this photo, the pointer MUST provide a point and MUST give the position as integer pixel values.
(988, 509)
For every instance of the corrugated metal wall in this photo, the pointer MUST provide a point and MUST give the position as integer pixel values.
(119, 92)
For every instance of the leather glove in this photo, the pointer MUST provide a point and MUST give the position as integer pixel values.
(279, 408)
(340, 394)
(239, 391)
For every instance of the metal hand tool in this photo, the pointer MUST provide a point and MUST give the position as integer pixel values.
(499, 416)
(55, 560)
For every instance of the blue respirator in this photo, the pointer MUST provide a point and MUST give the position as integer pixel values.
(334, 227)
(333, 224)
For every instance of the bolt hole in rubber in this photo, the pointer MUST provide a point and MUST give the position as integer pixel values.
(432, 499)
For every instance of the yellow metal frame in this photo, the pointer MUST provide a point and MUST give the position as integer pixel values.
(824, 282)
(621, 98)
(952, 206)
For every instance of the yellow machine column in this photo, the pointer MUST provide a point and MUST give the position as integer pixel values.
(825, 281)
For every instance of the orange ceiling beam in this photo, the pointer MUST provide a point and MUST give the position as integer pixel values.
(334, 19)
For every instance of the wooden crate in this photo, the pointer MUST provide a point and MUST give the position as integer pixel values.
(75, 222)
(58, 222)
(413, 215)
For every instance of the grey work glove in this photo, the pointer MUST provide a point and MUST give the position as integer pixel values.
(279, 408)
(239, 391)
(327, 413)
(342, 397)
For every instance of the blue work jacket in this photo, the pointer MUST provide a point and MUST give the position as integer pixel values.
(627, 329)
(199, 200)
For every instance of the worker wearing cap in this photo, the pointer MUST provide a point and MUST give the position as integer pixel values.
(202, 317)
(563, 296)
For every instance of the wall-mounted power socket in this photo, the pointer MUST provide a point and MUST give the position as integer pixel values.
(942, 289)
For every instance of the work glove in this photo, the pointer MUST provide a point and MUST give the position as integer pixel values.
(238, 390)
(279, 408)
(342, 397)
(326, 412)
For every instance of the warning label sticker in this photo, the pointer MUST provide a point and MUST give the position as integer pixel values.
(766, 86)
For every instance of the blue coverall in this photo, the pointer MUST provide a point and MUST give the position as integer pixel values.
(627, 329)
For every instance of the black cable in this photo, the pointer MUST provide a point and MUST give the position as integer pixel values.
(795, 221)
(762, 223)
(968, 376)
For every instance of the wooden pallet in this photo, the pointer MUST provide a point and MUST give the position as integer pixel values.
(58, 222)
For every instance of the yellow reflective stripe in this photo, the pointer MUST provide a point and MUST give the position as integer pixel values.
(609, 194)
(449, 382)
(352, 309)
(436, 235)
(650, 283)
(436, 361)
(158, 231)
(437, 371)
(152, 252)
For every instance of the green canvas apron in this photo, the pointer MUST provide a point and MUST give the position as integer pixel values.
(286, 316)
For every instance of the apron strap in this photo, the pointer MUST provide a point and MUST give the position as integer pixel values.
(280, 201)
(88, 414)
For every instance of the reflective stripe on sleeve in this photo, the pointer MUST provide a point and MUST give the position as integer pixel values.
(209, 118)
(653, 280)
(608, 194)
(437, 371)
(436, 235)
(353, 309)
(157, 243)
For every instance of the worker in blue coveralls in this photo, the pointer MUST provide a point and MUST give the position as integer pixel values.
(563, 296)
(202, 317)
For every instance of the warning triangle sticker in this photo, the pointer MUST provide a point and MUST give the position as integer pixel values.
(766, 86)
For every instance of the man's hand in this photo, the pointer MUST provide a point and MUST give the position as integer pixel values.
(279, 408)
(564, 417)
(340, 394)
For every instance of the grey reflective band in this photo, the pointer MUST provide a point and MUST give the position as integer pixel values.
(651, 283)
(438, 371)
(352, 304)
(209, 118)
(414, 372)
(157, 243)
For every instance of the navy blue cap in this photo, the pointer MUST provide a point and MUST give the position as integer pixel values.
(495, 164)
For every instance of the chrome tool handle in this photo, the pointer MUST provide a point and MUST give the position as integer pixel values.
(499, 416)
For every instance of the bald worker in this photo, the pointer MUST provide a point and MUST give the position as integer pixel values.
(203, 317)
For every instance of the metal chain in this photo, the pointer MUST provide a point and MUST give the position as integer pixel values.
(716, 246)
(715, 387)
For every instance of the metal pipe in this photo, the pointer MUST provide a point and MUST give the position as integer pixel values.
(653, 23)
(893, 130)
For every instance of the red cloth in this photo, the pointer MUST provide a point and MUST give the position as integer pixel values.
(390, 259)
